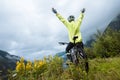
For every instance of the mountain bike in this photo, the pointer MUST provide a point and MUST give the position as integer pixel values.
(78, 56)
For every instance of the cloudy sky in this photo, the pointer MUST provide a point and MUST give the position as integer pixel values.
(28, 28)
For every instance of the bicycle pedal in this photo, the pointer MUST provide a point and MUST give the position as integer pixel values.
(68, 54)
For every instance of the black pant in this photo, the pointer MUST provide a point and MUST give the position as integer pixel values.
(71, 45)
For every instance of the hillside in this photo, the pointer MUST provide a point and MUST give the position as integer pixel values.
(115, 23)
(7, 61)
(105, 69)
(52, 69)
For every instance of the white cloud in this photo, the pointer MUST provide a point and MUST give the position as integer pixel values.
(29, 28)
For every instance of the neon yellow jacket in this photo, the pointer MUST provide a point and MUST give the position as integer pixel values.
(73, 27)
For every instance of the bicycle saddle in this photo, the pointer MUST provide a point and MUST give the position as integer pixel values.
(75, 37)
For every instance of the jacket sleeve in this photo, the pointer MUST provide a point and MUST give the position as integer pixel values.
(80, 18)
(63, 20)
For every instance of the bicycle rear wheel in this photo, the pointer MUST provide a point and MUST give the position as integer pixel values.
(83, 60)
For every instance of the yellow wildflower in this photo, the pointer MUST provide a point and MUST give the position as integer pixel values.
(41, 63)
(29, 66)
(20, 65)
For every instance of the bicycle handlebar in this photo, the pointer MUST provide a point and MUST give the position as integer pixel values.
(63, 43)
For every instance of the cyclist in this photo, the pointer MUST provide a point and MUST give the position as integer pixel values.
(73, 29)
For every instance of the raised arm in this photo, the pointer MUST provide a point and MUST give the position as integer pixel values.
(62, 19)
(80, 18)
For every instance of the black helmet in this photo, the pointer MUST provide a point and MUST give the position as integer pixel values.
(71, 18)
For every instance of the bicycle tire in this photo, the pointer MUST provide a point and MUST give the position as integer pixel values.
(83, 60)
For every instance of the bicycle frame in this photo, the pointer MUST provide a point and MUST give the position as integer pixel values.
(78, 55)
(74, 52)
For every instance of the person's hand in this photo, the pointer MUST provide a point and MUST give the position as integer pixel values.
(54, 11)
(83, 10)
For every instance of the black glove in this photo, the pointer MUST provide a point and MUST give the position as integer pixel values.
(83, 10)
(54, 11)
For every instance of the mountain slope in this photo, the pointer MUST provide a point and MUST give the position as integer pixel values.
(7, 62)
(62, 55)
(114, 25)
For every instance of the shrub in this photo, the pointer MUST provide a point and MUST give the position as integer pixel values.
(107, 44)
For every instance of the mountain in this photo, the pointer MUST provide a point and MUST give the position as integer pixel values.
(7, 62)
(114, 24)
(62, 55)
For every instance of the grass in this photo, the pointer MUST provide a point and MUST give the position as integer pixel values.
(104, 69)
(52, 69)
